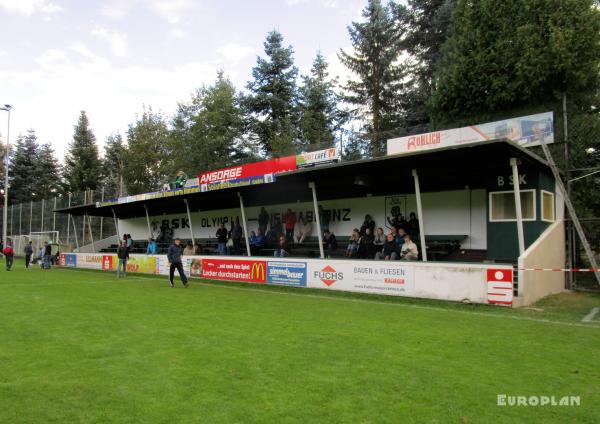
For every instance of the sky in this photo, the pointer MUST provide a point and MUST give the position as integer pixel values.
(111, 58)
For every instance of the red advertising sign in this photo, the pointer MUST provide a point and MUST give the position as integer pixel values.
(243, 270)
(273, 166)
(62, 260)
(107, 262)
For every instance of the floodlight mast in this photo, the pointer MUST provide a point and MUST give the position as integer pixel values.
(7, 109)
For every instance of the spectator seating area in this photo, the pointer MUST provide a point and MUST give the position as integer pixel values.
(439, 248)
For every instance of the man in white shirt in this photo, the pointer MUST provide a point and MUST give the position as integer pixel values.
(409, 250)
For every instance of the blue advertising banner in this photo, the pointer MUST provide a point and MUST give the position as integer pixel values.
(286, 273)
(71, 260)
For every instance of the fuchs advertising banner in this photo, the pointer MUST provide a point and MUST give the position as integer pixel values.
(526, 131)
(319, 157)
(243, 270)
(273, 166)
(385, 277)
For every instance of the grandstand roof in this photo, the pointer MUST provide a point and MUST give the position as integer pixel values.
(441, 169)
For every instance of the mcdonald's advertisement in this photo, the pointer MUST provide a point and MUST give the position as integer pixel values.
(242, 270)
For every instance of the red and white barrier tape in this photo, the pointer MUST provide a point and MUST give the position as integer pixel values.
(561, 269)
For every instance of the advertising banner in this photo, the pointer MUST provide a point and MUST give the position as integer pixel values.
(247, 271)
(68, 260)
(526, 131)
(290, 273)
(141, 263)
(242, 182)
(109, 262)
(500, 286)
(273, 166)
(89, 261)
(385, 277)
(319, 157)
(195, 266)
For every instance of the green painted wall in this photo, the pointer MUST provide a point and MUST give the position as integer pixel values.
(502, 239)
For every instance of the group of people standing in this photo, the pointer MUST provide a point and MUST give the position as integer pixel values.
(44, 256)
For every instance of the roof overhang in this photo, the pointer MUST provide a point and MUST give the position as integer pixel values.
(442, 169)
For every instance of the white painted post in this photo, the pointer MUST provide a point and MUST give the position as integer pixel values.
(116, 223)
(54, 216)
(69, 223)
(189, 215)
(91, 235)
(83, 220)
(30, 215)
(148, 221)
(517, 191)
(421, 217)
(312, 186)
(20, 218)
(12, 207)
(244, 224)
(101, 218)
(42, 224)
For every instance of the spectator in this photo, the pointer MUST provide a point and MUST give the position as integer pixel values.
(389, 250)
(281, 251)
(129, 242)
(197, 249)
(367, 224)
(28, 253)
(123, 255)
(324, 218)
(303, 230)
(409, 251)
(413, 225)
(379, 239)
(47, 256)
(40, 256)
(400, 237)
(236, 235)
(221, 239)
(1, 247)
(189, 249)
(352, 247)
(9, 255)
(165, 185)
(263, 221)
(180, 179)
(174, 255)
(257, 242)
(272, 237)
(366, 246)
(152, 248)
(330, 243)
(290, 223)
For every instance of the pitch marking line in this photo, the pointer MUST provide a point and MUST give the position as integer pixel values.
(376, 302)
(590, 317)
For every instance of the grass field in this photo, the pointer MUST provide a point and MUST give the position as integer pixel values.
(79, 346)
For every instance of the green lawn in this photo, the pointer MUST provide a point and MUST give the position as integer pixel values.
(79, 346)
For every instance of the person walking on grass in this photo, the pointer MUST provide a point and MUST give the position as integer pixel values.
(123, 255)
(9, 256)
(174, 255)
(28, 254)
(47, 261)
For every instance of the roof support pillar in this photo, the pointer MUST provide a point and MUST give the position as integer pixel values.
(313, 187)
(89, 221)
(189, 215)
(420, 212)
(69, 223)
(116, 223)
(244, 224)
(75, 232)
(148, 221)
(519, 211)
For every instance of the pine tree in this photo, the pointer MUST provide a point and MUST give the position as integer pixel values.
(272, 102)
(146, 153)
(320, 115)
(427, 28)
(504, 55)
(112, 165)
(22, 170)
(47, 172)
(82, 165)
(378, 92)
(207, 131)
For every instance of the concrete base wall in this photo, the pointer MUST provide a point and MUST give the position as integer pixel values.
(548, 251)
